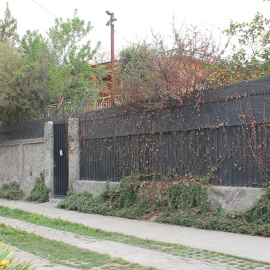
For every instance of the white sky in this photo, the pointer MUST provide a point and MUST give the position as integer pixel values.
(134, 18)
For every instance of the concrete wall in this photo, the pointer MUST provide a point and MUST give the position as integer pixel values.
(10, 161)
(94, 187)
(73, 150)
(48, 155)
(21, 161)
(234, 198)
(24, 160)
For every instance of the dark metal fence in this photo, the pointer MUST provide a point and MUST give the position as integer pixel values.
(231, 149)
(21, 131)
(230, 132)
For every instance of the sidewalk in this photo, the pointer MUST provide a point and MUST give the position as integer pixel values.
(145, 257)
(251, 247)
(38, 263)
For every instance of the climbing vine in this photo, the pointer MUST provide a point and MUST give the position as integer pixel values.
(228, 130)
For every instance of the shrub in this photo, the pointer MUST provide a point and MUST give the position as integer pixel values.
(82, 201)
(175, 200)
(261, 210)
(126, 195)
(40, 193)
(188, 197)
(153, 74)
(11, 191)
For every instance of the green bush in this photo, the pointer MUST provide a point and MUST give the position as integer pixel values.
(255, 221)
(122, 202)
(40, 193)
(261, 210)
(188, 197)
(82, 201)
(11, 191)
(178, 200)
(126, 195)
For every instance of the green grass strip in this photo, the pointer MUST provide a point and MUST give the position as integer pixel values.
(174, 249)
(61, 253)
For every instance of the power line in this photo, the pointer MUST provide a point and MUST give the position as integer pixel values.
(44, 8)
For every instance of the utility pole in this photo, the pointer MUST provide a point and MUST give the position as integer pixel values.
(111, 23)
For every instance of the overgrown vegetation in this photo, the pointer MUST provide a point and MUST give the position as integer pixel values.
(11, 191)
(137, 198)
(40, 193)
(153, 74)
(249, 57)
(175, 200)
(51, 75)
(46, 75)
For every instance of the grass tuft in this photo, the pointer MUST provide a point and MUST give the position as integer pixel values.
(11, 191)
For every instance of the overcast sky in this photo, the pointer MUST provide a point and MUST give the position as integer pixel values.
(135, 19)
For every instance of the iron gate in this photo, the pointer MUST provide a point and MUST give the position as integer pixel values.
(60, 159)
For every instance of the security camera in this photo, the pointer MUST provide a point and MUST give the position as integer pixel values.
(108, 12)
(108, 23)
(114, 19)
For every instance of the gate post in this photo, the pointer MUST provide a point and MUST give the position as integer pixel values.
(48, 155)
(74, 150)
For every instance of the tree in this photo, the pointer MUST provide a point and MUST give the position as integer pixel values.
(250, 58)
(10, 61)
(135, 72)
(8, 27)
(15, 104)
(54, 76)
(70, 82)
(156, 73)
(33, 74)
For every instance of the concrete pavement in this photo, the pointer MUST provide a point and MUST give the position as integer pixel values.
(133, 254)
(38, 263)
(251, 247)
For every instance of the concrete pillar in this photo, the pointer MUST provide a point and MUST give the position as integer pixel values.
(48, 156)
(74, 150)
